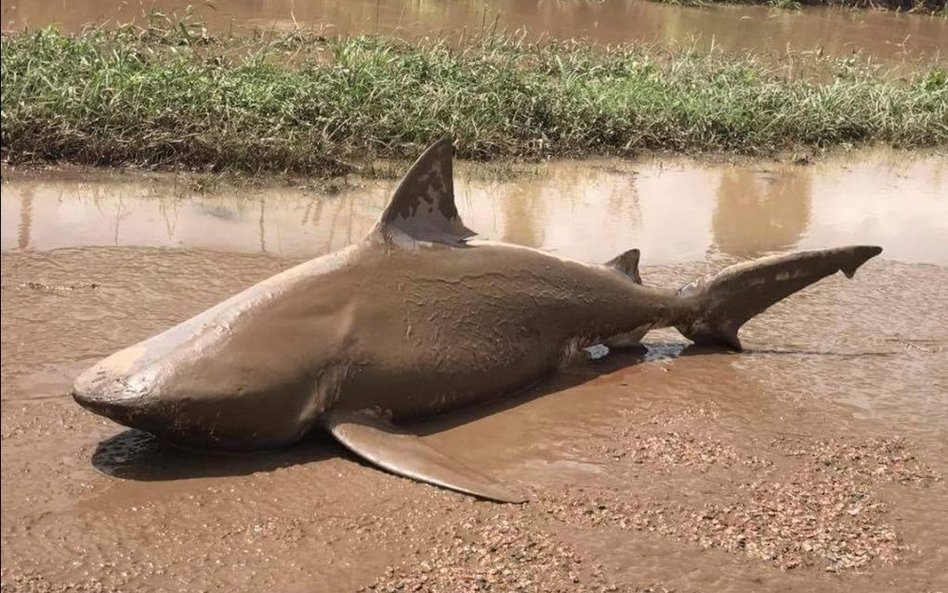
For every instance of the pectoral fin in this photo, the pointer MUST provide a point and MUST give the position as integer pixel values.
(381, 443)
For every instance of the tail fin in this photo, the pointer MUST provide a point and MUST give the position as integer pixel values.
(726, 300)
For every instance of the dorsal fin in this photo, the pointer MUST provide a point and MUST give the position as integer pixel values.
(422, 207)
(627, 262)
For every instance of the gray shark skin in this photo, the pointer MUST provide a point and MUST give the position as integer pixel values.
(417, 319)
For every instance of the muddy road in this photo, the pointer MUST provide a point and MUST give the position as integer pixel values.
(812, 461)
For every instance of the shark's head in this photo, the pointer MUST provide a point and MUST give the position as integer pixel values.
(119, 387)
(198, 392)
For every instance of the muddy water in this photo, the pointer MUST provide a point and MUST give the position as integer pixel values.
(733, 28)
(675, 210)
(810, 462)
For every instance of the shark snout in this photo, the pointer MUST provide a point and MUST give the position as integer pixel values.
(104, 396)
(111, 389)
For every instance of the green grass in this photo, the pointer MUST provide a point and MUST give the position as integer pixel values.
(169, 96)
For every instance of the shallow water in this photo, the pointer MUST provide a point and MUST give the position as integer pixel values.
(882, 35)
(674, 210)
(92, 262)
(687, 217)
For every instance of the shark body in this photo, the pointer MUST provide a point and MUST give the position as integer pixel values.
(415, 320)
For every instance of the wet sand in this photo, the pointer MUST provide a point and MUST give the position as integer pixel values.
(813, 461)
(885, 36)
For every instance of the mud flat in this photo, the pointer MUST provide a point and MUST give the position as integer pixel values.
(813, 461)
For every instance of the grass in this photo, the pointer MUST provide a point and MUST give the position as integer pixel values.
(168, 95)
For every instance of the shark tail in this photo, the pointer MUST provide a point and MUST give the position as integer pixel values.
(719, 304)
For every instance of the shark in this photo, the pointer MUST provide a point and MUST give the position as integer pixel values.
(418, 319)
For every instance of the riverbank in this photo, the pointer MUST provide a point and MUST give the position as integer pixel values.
(169, 95)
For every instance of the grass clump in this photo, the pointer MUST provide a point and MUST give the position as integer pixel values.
(173, 96)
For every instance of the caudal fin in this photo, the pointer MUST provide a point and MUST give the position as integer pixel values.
(723, 302)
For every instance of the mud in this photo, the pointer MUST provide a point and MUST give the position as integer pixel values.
(815, 460)
(887, 36)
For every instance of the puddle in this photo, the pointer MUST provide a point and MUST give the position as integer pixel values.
(686, 216)
(883, 35)
(630, 449)
(674, 210)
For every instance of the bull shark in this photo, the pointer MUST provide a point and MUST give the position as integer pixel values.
(416, 319)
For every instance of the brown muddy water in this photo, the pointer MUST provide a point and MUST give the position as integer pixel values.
(813, 461)
(882, 35)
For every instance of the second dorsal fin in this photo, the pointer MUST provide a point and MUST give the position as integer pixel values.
(627, 262)
(422, 208)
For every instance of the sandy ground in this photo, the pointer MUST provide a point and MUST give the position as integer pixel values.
(813, 461)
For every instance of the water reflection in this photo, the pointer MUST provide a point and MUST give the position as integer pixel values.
(522, 208)
(883, 35)
(760, 212)
(26, 220)
(675, 210)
